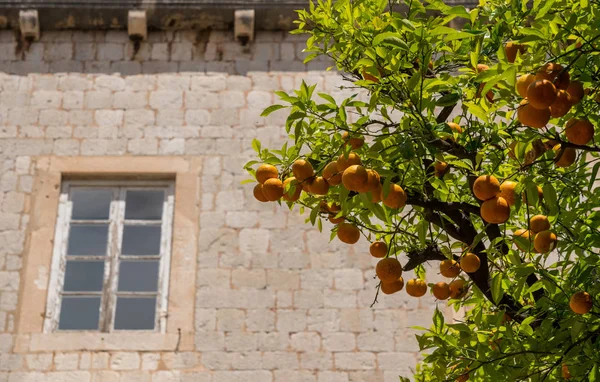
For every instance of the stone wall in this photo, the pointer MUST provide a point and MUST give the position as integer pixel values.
(197, 94)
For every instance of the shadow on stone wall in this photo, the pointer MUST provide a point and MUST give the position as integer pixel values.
(112, 52)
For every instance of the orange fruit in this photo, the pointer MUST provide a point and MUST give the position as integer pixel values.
(532, 117)
(318, 186)
(266, 171)
(581, 303)
(470, 263)
(388, 270)
(523, 83)
(416, 287)
(579, 131)
(378, 249)
(258, 193)
(393, 287)
(355, 178)
(562, 105)
(302, 170)
(486, 187)
(545, 241)
(272, 189)
(495, 210)
(566, 374)
(376, 194)
(481, 68)
(373, 183)
(539, 223)
(455, 127)
(441, 290)
(347, 233)
(555, 74)
(332, 175)
(335, 220)
(511, 49)
(355, 142)
(526, 234)
(576, 91)
(457, 288)
(541, 94)
(463, 378)
(289, 195)
(564, 157)
(440, 168)
(507, 191)
(396, 197)
(449, 268)
(344, 161)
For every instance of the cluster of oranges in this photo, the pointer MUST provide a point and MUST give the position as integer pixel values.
(346, 170)
(539, 235)
(389, 272)
(496, 198)
(550, 93)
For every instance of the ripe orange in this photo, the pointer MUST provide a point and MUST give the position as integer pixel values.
(457, 288)
(335, 220)
(576, 91)
(396, 197)
(486, 187)
(539, 223)
(355, 141)
(562, 105)
(373, 183)
(376, 194)
(523, 83)
(266, 171)
(470, 263)
(273, 189)
(495, 210)
(344, 161)
(302, 170)
(258, 193)
(332, 175)
(416, 287)
(440, 168)
(378, 249)
(555, 74)
(532, 117)
(566, 374)
(355, 178)
(507, 191)
(347, 233)
(449, 268)
(545, 241)
(455, 127)
(441, 290)
(318, 186)
(388, 270)
(525, 234)
(393, 287)
(541, 94)
(564, 157)
(581, 303)
(481, 68)
(579, 131)
(289, 195)
(511, 50)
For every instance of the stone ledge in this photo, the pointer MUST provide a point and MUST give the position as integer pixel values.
(38, 342)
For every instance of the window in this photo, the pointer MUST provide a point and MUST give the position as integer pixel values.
(111, 257)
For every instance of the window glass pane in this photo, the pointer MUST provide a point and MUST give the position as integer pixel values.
(144, 204)
(135, 313)
(79, 313)
(91, 204)
(84, 276)
(141, 240)
(138, 276)
(88, 240)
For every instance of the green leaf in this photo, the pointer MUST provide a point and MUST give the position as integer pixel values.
(477, 111)
(448, 99)
(256, 145)
(497, 291)
(271, 109)
(438, 320)
(550, 199)
(390, 38)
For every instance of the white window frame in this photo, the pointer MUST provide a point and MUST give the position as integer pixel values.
(111, 269)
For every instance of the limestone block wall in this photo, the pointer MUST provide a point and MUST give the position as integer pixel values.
(275, 300)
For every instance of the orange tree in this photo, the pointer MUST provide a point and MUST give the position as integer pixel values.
(473, 148)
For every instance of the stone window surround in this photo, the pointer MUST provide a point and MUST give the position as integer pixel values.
(50, 170)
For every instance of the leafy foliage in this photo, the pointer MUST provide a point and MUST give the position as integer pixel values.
(518, 324)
